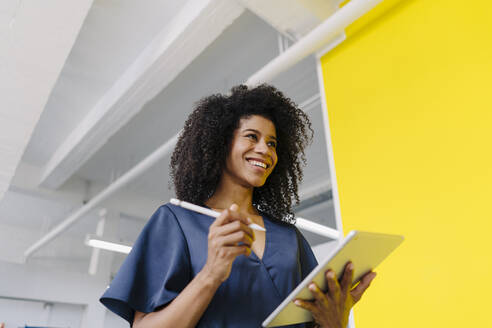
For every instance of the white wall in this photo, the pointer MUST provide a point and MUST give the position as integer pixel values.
(62, 283)
(113, 321)
(32, 281)
(17, 313)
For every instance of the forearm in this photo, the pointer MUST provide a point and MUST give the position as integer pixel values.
(186, 309)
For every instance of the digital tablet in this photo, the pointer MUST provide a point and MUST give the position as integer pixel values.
(365, 249)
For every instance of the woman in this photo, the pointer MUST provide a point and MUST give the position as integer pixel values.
(241, 155)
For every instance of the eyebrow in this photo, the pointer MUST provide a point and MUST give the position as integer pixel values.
(258, 133)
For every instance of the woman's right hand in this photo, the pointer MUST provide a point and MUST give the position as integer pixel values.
(225, 234)
(228, 230)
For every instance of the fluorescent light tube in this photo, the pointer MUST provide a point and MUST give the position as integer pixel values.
(107, 245)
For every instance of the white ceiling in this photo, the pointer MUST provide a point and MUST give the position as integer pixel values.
(111, 38)
(113, 35)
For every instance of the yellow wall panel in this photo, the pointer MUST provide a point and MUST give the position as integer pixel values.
(410, 110)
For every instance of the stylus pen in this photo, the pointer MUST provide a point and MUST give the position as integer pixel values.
(207, 211)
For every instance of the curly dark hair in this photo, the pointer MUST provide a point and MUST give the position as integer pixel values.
(200, 154)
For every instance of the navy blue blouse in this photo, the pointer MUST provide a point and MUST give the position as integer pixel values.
(172, 249)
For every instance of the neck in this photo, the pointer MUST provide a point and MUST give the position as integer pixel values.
(228, 193)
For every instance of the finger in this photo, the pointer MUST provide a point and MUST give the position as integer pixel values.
(223, 226)
(240, 250)
(226, 215)
(333, 286)
(235, 215)
(233, 227)
(310, 306)
(319, 296)
(348, 277)
(362, 286)
(239, 225)
(236, 237)
(231, 252)
(214, 229)
(222, 219)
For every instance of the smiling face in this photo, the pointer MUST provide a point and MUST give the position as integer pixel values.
(252, 154)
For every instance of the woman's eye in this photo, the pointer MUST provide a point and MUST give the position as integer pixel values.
(251, 136)
(272, 144)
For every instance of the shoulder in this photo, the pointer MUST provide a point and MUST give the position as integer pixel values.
(161, 218)
(186, 221)
(168, 222)
(179, 212)
(169, 214)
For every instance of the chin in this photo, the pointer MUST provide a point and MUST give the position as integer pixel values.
(258, 184)
(255, 181)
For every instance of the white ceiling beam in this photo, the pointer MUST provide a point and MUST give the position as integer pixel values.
(36, 38)
(105, 194)
(331, 31)
(75, 192)
(196, 26)
(293, 18)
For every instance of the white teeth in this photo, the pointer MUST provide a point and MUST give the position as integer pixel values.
(263, 165)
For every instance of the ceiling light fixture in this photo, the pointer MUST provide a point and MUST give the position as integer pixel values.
(97, 242)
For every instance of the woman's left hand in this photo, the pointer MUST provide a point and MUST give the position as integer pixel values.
(332, 309)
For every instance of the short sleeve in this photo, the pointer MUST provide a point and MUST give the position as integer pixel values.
(306, 256)
(156, 270)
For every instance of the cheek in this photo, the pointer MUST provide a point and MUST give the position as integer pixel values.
(275, 159)
(274, 166)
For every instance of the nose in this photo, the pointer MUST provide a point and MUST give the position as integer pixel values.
(261, 147)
